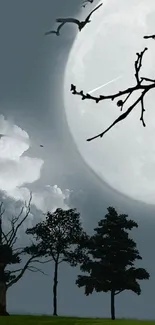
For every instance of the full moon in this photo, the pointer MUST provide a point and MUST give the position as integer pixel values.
(104, 50)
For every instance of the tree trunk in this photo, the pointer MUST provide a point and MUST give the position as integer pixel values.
(55, 289)
(112, 304)
(3, 311)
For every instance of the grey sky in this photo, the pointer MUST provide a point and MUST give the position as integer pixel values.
(31, 81)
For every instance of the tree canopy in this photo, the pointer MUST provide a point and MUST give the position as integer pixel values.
(59, 237)
(112, 255)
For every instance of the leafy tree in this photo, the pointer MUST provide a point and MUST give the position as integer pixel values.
(111, 257)
(59, 237)
(11, 255)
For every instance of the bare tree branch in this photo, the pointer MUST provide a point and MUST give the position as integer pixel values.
(1, 210)
(117, 293)
(30, 268)
(35, 269)
(3, 237)
(61, 261)
(15, 271)
(122, 117)
(128, 92)
(10, 255)
(149, 36)
(11, 235)
(19, 276)
(43, 262)
(18, 249)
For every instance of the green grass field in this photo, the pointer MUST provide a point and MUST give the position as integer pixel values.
(47, 320)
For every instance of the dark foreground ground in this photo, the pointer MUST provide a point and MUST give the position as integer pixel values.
(47, 320)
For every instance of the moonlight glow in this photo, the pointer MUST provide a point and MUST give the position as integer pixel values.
(104, 50)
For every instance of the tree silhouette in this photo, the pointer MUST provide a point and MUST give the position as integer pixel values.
(58, 237)
(85, 2)
(111, 256)
(11, 255)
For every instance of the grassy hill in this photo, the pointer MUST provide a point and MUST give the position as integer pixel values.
(47, 320)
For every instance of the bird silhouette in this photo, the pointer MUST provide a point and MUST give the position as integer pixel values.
(41, 146)
(81, 24)
(149, 36)
(56, 32)
(86, 2)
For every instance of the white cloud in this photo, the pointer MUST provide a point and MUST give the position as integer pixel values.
(51, 198)
(48, 199)
(18, 169)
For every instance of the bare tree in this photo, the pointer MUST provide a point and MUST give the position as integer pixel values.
(12, 255)
(144, 84)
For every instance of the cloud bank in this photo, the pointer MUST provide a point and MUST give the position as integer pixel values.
(18, 169)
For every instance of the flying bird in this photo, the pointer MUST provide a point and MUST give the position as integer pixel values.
(86, 2)
(41, 145)
(56, 32)
(81, 24)
(149, 36)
